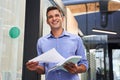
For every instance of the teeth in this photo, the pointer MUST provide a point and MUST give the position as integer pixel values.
(55, 22)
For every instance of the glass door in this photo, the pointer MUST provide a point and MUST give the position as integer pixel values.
(12, 13)
(97, 54)
(116, 63)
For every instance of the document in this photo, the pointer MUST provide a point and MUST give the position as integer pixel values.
(52, 56)
(73, 59)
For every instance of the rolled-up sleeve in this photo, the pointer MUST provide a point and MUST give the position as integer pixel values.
(81, 51)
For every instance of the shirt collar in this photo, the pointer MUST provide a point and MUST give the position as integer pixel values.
(64, 33)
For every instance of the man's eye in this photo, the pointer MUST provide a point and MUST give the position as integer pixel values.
(56, 15)
(49, 17)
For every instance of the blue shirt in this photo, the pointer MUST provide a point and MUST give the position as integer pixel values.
(67, 45)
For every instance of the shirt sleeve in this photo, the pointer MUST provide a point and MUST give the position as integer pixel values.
(81, 51)
(39, 51)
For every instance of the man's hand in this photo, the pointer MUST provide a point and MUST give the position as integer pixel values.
(34, 66)
(73, 68)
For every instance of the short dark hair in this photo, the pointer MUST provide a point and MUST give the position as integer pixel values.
(53, 8)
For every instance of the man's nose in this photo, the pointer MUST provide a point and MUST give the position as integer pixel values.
(54, 18)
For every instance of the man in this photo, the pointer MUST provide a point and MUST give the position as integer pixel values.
(65, 43)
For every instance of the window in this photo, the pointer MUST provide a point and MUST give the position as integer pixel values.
(12, 14)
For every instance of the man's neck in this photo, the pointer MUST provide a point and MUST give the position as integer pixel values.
(57, 32)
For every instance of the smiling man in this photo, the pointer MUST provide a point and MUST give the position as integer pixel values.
(65, 43)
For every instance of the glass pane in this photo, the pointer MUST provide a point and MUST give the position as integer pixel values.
(97, 50)
(12, 14)
(46, 29)
(44, 5)
(116, 63)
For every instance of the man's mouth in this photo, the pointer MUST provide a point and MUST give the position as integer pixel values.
(55, 22)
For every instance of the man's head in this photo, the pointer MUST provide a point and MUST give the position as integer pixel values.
(54, 17)
(53, 8)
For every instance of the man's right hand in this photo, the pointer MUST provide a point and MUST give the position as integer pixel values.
(32, 66)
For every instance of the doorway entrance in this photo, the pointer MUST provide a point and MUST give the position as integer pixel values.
(97, 54)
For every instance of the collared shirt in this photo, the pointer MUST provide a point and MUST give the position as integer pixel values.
(67, 45)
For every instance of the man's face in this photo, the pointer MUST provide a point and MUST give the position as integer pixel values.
(54, 19)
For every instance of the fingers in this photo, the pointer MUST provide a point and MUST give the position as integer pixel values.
(71, 67)
(32, 65)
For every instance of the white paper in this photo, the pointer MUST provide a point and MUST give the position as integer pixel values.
(73, 59)
(50, 56)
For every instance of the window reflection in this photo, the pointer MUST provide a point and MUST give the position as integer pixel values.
(116, 63)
